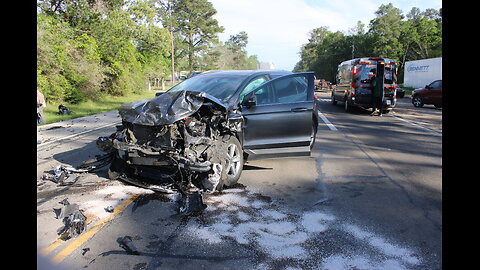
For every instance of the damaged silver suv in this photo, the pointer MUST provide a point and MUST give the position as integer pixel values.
(197, 135)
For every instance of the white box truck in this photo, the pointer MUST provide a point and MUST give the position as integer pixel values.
(422, 72)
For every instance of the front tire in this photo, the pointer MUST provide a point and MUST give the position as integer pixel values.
(417, 101)
(234, 162)
(348, 108)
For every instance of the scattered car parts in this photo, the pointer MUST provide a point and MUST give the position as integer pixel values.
(62, 109)
(73, 219)
(68, 175)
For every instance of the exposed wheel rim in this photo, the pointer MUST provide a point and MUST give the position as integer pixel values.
(233, 160)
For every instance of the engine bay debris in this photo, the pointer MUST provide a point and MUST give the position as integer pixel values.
(174, 143)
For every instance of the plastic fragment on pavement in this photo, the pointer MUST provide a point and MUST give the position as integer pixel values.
(73, 219)
(127, 244)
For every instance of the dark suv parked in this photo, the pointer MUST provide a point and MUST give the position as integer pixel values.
(430, 94)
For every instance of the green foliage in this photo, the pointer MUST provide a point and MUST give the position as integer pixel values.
(104, 104)
(233, 54)
(309, 51)
(390, 35)
(423, 34)
(87, 49)
(67, 64)
(90, 48)
(386, 30)
(252, 62)
(194, 26)
(115, 36)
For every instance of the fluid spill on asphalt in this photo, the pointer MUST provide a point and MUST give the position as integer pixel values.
(294, 239)
(278, 237)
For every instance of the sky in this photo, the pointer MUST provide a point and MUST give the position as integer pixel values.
(278, 28)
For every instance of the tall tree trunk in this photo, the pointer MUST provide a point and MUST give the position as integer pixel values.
(190, 52)
(173, 57)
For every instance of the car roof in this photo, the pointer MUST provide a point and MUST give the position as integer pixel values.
(352, 61)
(246, 72)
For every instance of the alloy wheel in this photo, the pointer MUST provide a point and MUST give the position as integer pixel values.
(417, 101)
(233, 160)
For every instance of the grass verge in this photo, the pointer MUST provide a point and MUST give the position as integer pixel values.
(105, 104)
(408, 90)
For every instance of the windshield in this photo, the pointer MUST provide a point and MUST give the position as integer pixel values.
(219, 85)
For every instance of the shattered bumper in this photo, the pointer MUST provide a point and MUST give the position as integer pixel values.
(180, 168)
(151, 156)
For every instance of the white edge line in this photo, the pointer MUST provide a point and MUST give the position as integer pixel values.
(419, 126)
(329, 125)
(75, 135)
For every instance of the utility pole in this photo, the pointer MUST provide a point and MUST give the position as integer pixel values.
(171, 36)
(353, 48)
(173, 56)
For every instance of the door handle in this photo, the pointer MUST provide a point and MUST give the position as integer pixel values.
(299, 109)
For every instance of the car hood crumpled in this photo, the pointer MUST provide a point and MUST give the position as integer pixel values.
(167, 108)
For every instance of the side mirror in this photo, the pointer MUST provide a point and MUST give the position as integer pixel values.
(250, 101)
(427, 86)
(158, 94)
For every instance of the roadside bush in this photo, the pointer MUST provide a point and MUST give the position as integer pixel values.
(68, 65)
(115, 41)
(86, 51)
(86, 72)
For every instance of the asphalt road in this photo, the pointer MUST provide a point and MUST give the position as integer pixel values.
(369, 197)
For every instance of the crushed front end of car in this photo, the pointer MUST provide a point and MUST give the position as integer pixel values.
(176, 142)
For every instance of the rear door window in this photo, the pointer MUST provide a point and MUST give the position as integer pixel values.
(289, 90)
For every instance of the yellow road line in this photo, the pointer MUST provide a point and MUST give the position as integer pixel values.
(46, 250)
(91, 232)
